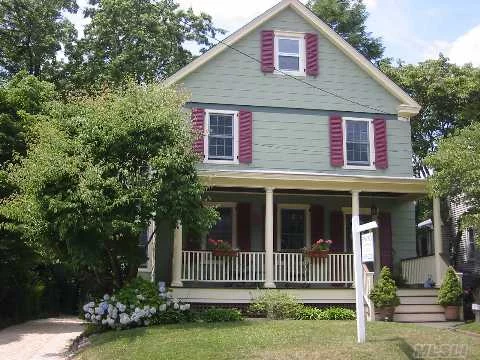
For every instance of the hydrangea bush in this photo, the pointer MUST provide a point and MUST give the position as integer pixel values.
(137, 304)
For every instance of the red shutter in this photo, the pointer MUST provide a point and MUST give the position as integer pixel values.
(198, 119)
(336, 231)
(317, 222)
(267, 49)
(336, 141)
(381, 157)
(311, 47)
(243, 227)
(385, 237)
(245, 137)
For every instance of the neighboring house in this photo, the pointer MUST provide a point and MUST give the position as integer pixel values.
(299, 133)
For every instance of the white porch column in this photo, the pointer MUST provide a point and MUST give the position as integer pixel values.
(437, 240)
(177, 256)
(269, 238)
(358, 268)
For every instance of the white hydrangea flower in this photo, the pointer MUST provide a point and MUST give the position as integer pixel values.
(182, 307)
(140, 297)
(98, 317)
(187, 306)
(87, 316)
(153, 310)
(110, 322)
(162, 307)
(106, 297)
(175, 306)
(104, 321)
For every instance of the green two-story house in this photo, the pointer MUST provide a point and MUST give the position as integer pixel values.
(298, 135)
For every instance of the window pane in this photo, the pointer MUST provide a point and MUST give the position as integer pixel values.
(290, 46)
(357, 142)
(288, 63)
(293, 229)
(220, 139)
(223, 228)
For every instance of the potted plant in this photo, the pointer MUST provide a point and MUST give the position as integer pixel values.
(450, 294)
(320, 248)
(384, 295)
(222, 248)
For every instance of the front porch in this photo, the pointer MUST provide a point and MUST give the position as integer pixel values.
(271, 255)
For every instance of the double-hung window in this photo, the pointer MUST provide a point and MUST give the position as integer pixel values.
(222, 138)
(290, 53)
(358, 143)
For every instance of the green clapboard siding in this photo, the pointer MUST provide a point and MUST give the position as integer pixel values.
(232, 78)
(298, 140)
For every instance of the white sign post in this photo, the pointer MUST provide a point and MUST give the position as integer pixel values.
(357, 262)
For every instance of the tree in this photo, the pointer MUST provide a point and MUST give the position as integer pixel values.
(347, 18)
(23, 95)
(139, 39)
(450, 98)
(456, 171)
(32, 33)
(99, 170)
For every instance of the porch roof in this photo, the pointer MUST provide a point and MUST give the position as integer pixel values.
(313, 181)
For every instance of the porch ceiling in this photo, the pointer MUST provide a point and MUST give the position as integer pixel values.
(312, 181)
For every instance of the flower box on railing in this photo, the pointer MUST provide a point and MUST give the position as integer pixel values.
(318, 253)
(222, 252)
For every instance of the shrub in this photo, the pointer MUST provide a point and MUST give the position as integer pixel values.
(384, 292)
(450, 293)
(137, 304)
(221, 315)
(275, 304)
(308, 313)
(337, 313)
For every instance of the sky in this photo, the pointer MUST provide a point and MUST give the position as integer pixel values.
(412, 30)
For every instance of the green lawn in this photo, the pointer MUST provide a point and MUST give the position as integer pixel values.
(472, 327)
(288, 339)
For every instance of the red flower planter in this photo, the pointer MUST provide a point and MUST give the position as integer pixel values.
(221, 252)
(318, 254)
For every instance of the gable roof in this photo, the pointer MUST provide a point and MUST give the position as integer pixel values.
(409, 107)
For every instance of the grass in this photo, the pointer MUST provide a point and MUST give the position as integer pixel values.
(280, 339)
(472, 327)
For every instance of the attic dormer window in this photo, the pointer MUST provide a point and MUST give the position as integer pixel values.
(290, 53)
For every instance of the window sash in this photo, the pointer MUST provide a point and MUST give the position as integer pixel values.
(357, 148)
(221, 142)
(283, 54)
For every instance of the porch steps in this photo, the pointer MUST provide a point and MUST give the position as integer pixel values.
(418, 305)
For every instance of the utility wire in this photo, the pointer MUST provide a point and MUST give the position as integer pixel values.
(297, 79)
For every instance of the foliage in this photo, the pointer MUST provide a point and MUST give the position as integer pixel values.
(147, 42)
(136, 304)
(450, 292)
(275, 304)
(384, 292)
(337, 313)
(308, 313)
(99, 169)
(221, 315)
(348, 18)
(32, 33)
(321, 245)
(450, 99)
(456, 172)
(304, 312)
(220, 244)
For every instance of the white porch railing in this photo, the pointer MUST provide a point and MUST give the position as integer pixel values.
(204, 266)
(298, 268)
(417, 270)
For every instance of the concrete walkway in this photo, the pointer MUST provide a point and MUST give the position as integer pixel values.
(39, 339)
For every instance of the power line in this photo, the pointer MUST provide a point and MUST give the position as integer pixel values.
(297, 79)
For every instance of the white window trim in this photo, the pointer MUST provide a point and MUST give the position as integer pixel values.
(308, 221)
(301, 52)
(206, 128)
(371, 139)
(233, 206)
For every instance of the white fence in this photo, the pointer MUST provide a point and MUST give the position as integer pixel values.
(250, 267)
(204, 266)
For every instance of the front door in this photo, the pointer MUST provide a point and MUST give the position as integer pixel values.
(293, 225)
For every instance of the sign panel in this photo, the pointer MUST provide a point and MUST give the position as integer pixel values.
(367, 247)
